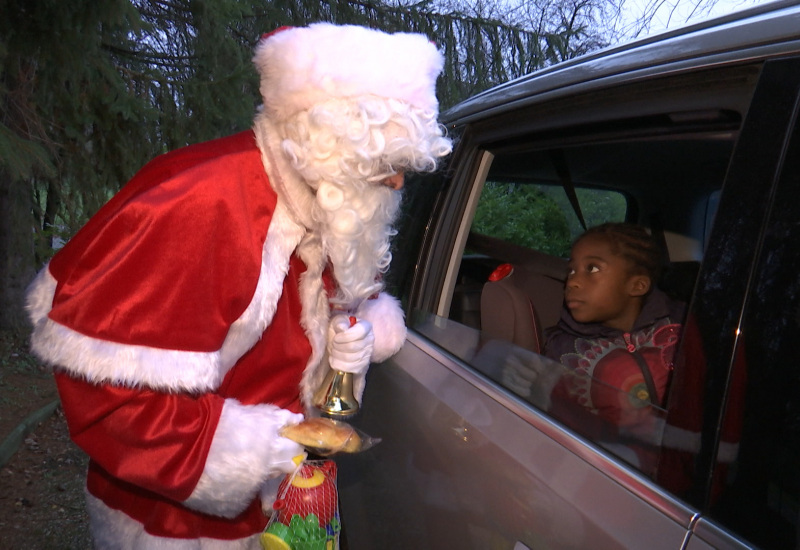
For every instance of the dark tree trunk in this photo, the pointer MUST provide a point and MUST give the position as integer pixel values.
(17, 264)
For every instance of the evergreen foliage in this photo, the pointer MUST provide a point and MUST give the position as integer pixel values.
(523, 215)
(541, 216)
(90, 91)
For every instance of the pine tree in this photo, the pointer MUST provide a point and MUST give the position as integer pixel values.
(90, 91)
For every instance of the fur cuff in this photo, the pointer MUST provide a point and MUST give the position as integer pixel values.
(113, 529)
(245, 452)
(388, 325)
(39, 296)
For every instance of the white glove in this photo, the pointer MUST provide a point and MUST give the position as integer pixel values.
(518, 376)
(529, 375)
(269, 493)
(287, 455)
(284, 453)
(350, 348)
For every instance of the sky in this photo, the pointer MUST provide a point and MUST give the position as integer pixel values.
(672, 14)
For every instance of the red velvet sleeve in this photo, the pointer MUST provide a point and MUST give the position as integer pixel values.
(154, 440)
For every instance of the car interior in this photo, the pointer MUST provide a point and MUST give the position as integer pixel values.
(509, 284)
(670, 184)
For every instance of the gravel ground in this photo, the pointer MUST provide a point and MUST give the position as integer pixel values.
(41, 485)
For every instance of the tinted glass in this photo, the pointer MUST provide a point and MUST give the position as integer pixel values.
(419, 196)
(757, 479)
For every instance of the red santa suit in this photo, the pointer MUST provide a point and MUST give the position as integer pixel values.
(186, 322)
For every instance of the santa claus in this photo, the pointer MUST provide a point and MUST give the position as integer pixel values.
(195, 314)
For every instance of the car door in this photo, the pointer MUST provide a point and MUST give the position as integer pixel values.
(464, 465)
(467, 462)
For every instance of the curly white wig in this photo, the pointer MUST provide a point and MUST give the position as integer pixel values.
(364, 139)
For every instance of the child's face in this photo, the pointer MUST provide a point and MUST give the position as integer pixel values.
(601, 287)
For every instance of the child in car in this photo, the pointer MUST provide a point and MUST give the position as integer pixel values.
(617, 336)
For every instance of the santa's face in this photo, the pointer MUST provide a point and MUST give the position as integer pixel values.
(395, 181)
(351, 153)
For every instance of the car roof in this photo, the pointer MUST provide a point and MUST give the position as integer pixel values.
(768, 30)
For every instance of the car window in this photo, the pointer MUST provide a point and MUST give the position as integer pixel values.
(419, 195)
(520, 228)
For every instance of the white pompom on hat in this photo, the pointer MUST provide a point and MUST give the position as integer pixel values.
(303, 66)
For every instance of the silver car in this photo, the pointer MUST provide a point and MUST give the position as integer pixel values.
(695, 135)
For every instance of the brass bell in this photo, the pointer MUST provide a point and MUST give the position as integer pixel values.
(335, 397)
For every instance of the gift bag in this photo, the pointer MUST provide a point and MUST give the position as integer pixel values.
(305, 515)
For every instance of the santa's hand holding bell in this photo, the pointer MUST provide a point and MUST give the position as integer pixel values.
(350, 346)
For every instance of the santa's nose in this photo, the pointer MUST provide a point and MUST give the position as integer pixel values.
(395, 181)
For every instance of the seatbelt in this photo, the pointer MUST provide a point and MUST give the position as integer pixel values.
(560, 164)
(652, 394)
(657, 231)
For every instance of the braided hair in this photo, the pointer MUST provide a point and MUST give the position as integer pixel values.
(633, 242)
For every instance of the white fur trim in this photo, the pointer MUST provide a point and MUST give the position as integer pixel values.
(388, 324)
(113, 530)
(304, 66)
(293, 192)
(104, 361)
(316, 313)
(245, 452)
(39, 296)
(101, 361)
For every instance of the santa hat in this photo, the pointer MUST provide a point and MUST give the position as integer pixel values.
(303, 66)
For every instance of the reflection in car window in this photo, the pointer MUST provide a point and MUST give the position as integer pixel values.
(757, 491)
(419, 195)
(633, 436)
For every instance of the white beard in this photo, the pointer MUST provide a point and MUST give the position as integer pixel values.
(355, 226)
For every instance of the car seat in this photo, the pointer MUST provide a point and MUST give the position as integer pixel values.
(517, 304)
